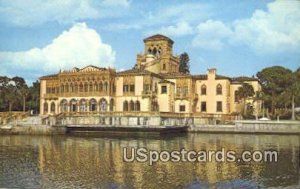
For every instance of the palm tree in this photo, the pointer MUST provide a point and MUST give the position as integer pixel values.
(243, 93)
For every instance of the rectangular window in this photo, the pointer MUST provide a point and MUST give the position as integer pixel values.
(219, 106)
(203, 106)
(163, 89)
(236, 96)
(125, 88)
(147, 88)
(182, 108)
(131, 88)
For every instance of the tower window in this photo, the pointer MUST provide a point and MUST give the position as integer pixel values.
(164, 89)
(219, 106)
(164, 66)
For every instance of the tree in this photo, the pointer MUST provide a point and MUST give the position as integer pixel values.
(34, 95)
(243, 93)
(274, 81)
(21, 89)
(184, 65)
(292, 92)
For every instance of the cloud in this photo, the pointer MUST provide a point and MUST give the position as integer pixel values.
(36, 12)
(181, 28)
(79, 46)
(275, 30)
(211, 35)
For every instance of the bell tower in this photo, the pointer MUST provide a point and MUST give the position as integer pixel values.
(158, 55)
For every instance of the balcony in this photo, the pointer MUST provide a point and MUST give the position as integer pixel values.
(181, 96)
(148, 94)
(50, 96)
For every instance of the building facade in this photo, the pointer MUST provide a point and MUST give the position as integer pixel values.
(153, 86)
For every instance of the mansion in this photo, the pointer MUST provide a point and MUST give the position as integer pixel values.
(153, 86)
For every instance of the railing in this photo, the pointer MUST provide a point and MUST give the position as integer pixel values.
(181, 95)
(7, 117)
(146, 94)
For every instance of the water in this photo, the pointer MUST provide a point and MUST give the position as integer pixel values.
(97, 162)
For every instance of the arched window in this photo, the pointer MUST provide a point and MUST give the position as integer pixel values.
(93, 105)
(91, 87)
(111, 105)
(137, 106)
(72, 88)
(45, 107)
(81, 87)
(149, 51)
(75, 88)
(101, 87)
(131, 106)
(96, 87)
(105, 86)
(154, 51)
(73, 105)
(103, 105)
(52, 108)
(219, 89)
(86, 87)
(82, 105)
(203, 89)
(67, 88)
(64, 105)
(62, 88)
(125, 105)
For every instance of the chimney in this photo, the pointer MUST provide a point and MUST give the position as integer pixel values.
(211, 73)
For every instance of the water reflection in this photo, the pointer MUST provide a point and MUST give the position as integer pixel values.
(93, 162)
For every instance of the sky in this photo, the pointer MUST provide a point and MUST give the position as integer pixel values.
(238, 38)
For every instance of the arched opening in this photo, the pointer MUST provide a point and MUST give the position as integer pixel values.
(203, 89)
(73, 105)
(67, 88)
(45, 107)
(62, 88)
(125, 106)
(96, 87)
(76, 88)
(154, 51)
(105, 87)
(91, 87)
(131, 106)
(111, 105)
(64, 105)
(103, 105)
(93, 105)
(52, 108)
(82, 105)
(81, 87)
(219, 89)
(86, 87)
(149, 51)
(137, 106)
(101, 87)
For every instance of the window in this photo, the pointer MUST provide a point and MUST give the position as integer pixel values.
(131, 88)
(45, 107)
(137, 106)
(80, 88)
(236, 97)
(203, 106)
(125, 105)
(125, 88)
(131, 106)
(219, 106)
(203, 89)
(182, 108)
(164, 66)
(85, 87)
(163, 89)
(52, 108)
(219, 89)
(146, 87)
(91, 87)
